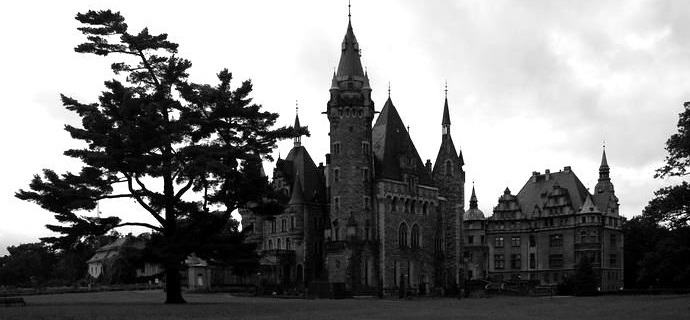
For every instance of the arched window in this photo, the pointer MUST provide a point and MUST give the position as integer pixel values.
(394, 205)
(402, 236)
(279, 247)
(425, 208)
(288, 244)
(449, 168)
(415, 236)
(412, 207)
(270, 244)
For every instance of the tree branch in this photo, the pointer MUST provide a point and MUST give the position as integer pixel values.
(140, 224)
(184, 189)
(141, 202)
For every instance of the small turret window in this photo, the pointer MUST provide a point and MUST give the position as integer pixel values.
(449, 168)
(336, 148)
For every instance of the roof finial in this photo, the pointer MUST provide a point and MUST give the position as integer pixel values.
(296, 107)
(349, 16)
(389, 89)
(446, 90)
(604, 144)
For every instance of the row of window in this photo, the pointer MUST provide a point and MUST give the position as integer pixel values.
(350, 112)
(410, 206)
(365, 149)
(415, 237)
(283, 224)
(555, 240)
(555, 260)
(552, 222)
(279, 244)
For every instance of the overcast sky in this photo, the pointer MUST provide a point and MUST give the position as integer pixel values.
(532, 85)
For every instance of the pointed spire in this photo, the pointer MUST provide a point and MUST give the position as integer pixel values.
(445, 122)
(297, 139)
(297, 196)
(473, 198)
(604, 167)
(604, 162)
(350, 64)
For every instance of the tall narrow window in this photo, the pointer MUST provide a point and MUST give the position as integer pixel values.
(499, 261)
(515, 261)
(336, 203)
(336, 174)
(365, 174)
(402, 236)
(292, 222)
(415, 236)
(336, 148)
(367, 200)
(365, 147)
(515, 241)
(283, 224)
(449, 168)
(499, 242)
(556, 240)
(288, 245)
(532, 261)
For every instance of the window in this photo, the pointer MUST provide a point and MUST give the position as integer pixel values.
(283, 225)
(288, 245)
(365, 174)
(532, 261)
(415, 236)
(613, 260)
(515, 262)
(292, 222)
(365, 147)
(470, 239)
(532, 241)
(336, 148)
(270, 244)
(449, 168)
(499, 242)
(515, 241)
(366, 202)
(425, 208)
(482, 239)
(279, 247)
(336, 175)
(613, 241)
(413, 208)
(336, 203)
(273, 226)
(394, 204)
(499, 261)
(555, 261)
(556, 240)
(583, 236)
(402, 236)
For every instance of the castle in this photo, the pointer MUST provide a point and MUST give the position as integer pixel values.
(376, 218)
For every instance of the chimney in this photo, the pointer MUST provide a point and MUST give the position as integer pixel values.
(428, 165)
(328, 158)
(547, 174)
(566, 169)
(535, 174)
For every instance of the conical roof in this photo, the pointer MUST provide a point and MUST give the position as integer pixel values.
(474, 213)
(350, 64)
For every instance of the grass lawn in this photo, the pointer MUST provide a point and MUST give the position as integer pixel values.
(147, 305)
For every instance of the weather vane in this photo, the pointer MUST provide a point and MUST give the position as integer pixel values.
(446, 90)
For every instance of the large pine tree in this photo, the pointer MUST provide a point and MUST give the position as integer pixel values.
(182, 151)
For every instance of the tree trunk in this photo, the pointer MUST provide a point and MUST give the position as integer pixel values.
(173, 290)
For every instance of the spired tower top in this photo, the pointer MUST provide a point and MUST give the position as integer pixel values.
(350, 65)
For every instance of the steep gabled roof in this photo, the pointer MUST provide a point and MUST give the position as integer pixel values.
(299, 163)
(394, 151)
(538, 187)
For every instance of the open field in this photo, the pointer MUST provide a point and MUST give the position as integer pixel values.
(147, 305)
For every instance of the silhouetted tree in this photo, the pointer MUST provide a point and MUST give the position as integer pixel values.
(672, 204)
(155, 128)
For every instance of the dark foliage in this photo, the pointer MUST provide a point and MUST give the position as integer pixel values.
(585, 280)
(156, 128)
